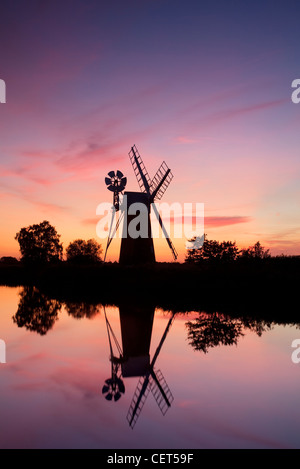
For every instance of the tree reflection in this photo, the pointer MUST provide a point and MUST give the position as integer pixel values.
(36, 312)
(82, 310)
(257, 325)
(211, 330)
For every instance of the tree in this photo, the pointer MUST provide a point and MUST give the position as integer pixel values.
(212, 250)
(81, 251)
(255, 252)
(39, 243)
(230, 251)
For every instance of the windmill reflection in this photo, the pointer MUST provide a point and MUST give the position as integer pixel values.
(133, 360)
(114, 386)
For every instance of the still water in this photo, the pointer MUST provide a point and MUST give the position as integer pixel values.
(83, 376)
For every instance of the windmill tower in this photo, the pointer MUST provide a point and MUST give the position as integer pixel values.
(139, 249)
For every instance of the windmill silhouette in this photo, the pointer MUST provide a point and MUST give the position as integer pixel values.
(134, 361)
(138, 250)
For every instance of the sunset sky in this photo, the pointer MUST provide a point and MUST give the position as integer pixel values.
(205, 86)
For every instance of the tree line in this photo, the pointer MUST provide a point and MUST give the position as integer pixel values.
(40, 243)
(225, 251)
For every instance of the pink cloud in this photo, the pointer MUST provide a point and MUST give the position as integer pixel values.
(183, 140)
(78, 160)
(213, 221)
(237, 112)
(38, 154)
(211, 118)
(91, 158)
(224, 221)
(49, 207)
(90, 221)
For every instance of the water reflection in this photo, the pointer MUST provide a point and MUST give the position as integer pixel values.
(224, 396)
(36, 312)
(216, 329)
(82, 309)
(133, 360)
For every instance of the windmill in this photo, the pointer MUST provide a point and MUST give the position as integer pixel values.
(134, 360)
(140, 249)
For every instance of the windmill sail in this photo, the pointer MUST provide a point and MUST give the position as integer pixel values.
(155, 189)
(161, 391)
(168, 239)
(140, 171)
(138, 400)
(161, 181)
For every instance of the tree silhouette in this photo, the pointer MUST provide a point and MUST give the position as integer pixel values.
(81, 251)
(255, 252)
(36, 312)
(212, 250)
(225, 251)
(39, 243)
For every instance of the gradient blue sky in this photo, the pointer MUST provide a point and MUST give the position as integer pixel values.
(205, 86)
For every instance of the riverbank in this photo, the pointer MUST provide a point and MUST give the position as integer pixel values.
(269, 285)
